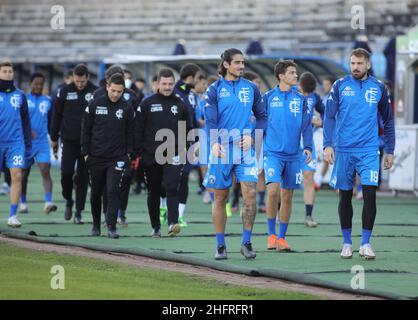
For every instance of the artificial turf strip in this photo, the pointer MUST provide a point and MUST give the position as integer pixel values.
(315, 251)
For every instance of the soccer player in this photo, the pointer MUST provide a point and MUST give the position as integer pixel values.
(66, 124)
(229, 103)
(307, 84)
(15, 135)
(288, 122)
(189, 77)
(40, 111)
(352, 113)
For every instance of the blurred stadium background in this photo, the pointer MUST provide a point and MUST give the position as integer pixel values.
(53, 36)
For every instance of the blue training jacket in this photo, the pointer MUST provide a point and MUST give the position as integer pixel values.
(40, 112)
(229, 105)
(351, 116)
(289, 119)
(14, 118)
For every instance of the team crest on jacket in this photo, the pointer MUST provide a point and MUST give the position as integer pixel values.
(88, 97)
(43, 107)
(174, 109)
(126, 96)
(15, 101)
(294, 106)
(119, 114)
(371, 95)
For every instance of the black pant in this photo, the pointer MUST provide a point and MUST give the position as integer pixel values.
(70, 156)
(167, 176)
(109, 174)
(126, 185)
(184, 188)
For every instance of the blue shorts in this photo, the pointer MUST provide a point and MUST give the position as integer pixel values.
(311, 166)
(13, 154)
(241, 163)
(287, 173)
(366, 164)
(41, 153)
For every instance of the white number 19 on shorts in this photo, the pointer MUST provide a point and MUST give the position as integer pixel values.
(374, 176)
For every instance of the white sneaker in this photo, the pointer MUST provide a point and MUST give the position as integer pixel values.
(366, 252)
(347, 251)
(13, 222)
(49, 207)
(23, 208)
(310, 223)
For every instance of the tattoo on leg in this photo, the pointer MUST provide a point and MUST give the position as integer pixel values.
(248, 215)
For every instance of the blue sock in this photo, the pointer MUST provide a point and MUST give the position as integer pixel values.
(347, 236)
(212, 197)
(282, 230)
(308, 209)
(246, 236)
(13, 210)
(23, 198)
(271, 223)
(119, 213)
(220, 239)
(365, 236)
(48, 196)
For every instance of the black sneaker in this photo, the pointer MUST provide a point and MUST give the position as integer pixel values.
(68, 213)
(221, 253)
(95, 232)
(112, 234)
(247, 251)
(77, 218)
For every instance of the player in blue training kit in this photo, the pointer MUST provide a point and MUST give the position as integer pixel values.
(229, 103)
(15, 131)
(40, 111)
(307, 86)
(288, 122)
(352, 114)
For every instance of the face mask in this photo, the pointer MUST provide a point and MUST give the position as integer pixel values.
(128, 83)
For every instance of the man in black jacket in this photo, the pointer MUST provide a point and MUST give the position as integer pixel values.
(132, 99)
(106, 144)
(163, 161)
(66, 123)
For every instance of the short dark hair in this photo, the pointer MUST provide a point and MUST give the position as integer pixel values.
(250, 76)
(227, 56)
(360, 52)
(81, 70)
(189, 69)
(117, 79)
(140, 79)
(113, 69)
(307, 82)
(69, 73)
(127, 71)
(6, 63)
(154, 78)
(36, 75)
(165, 73)
(281, 67)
